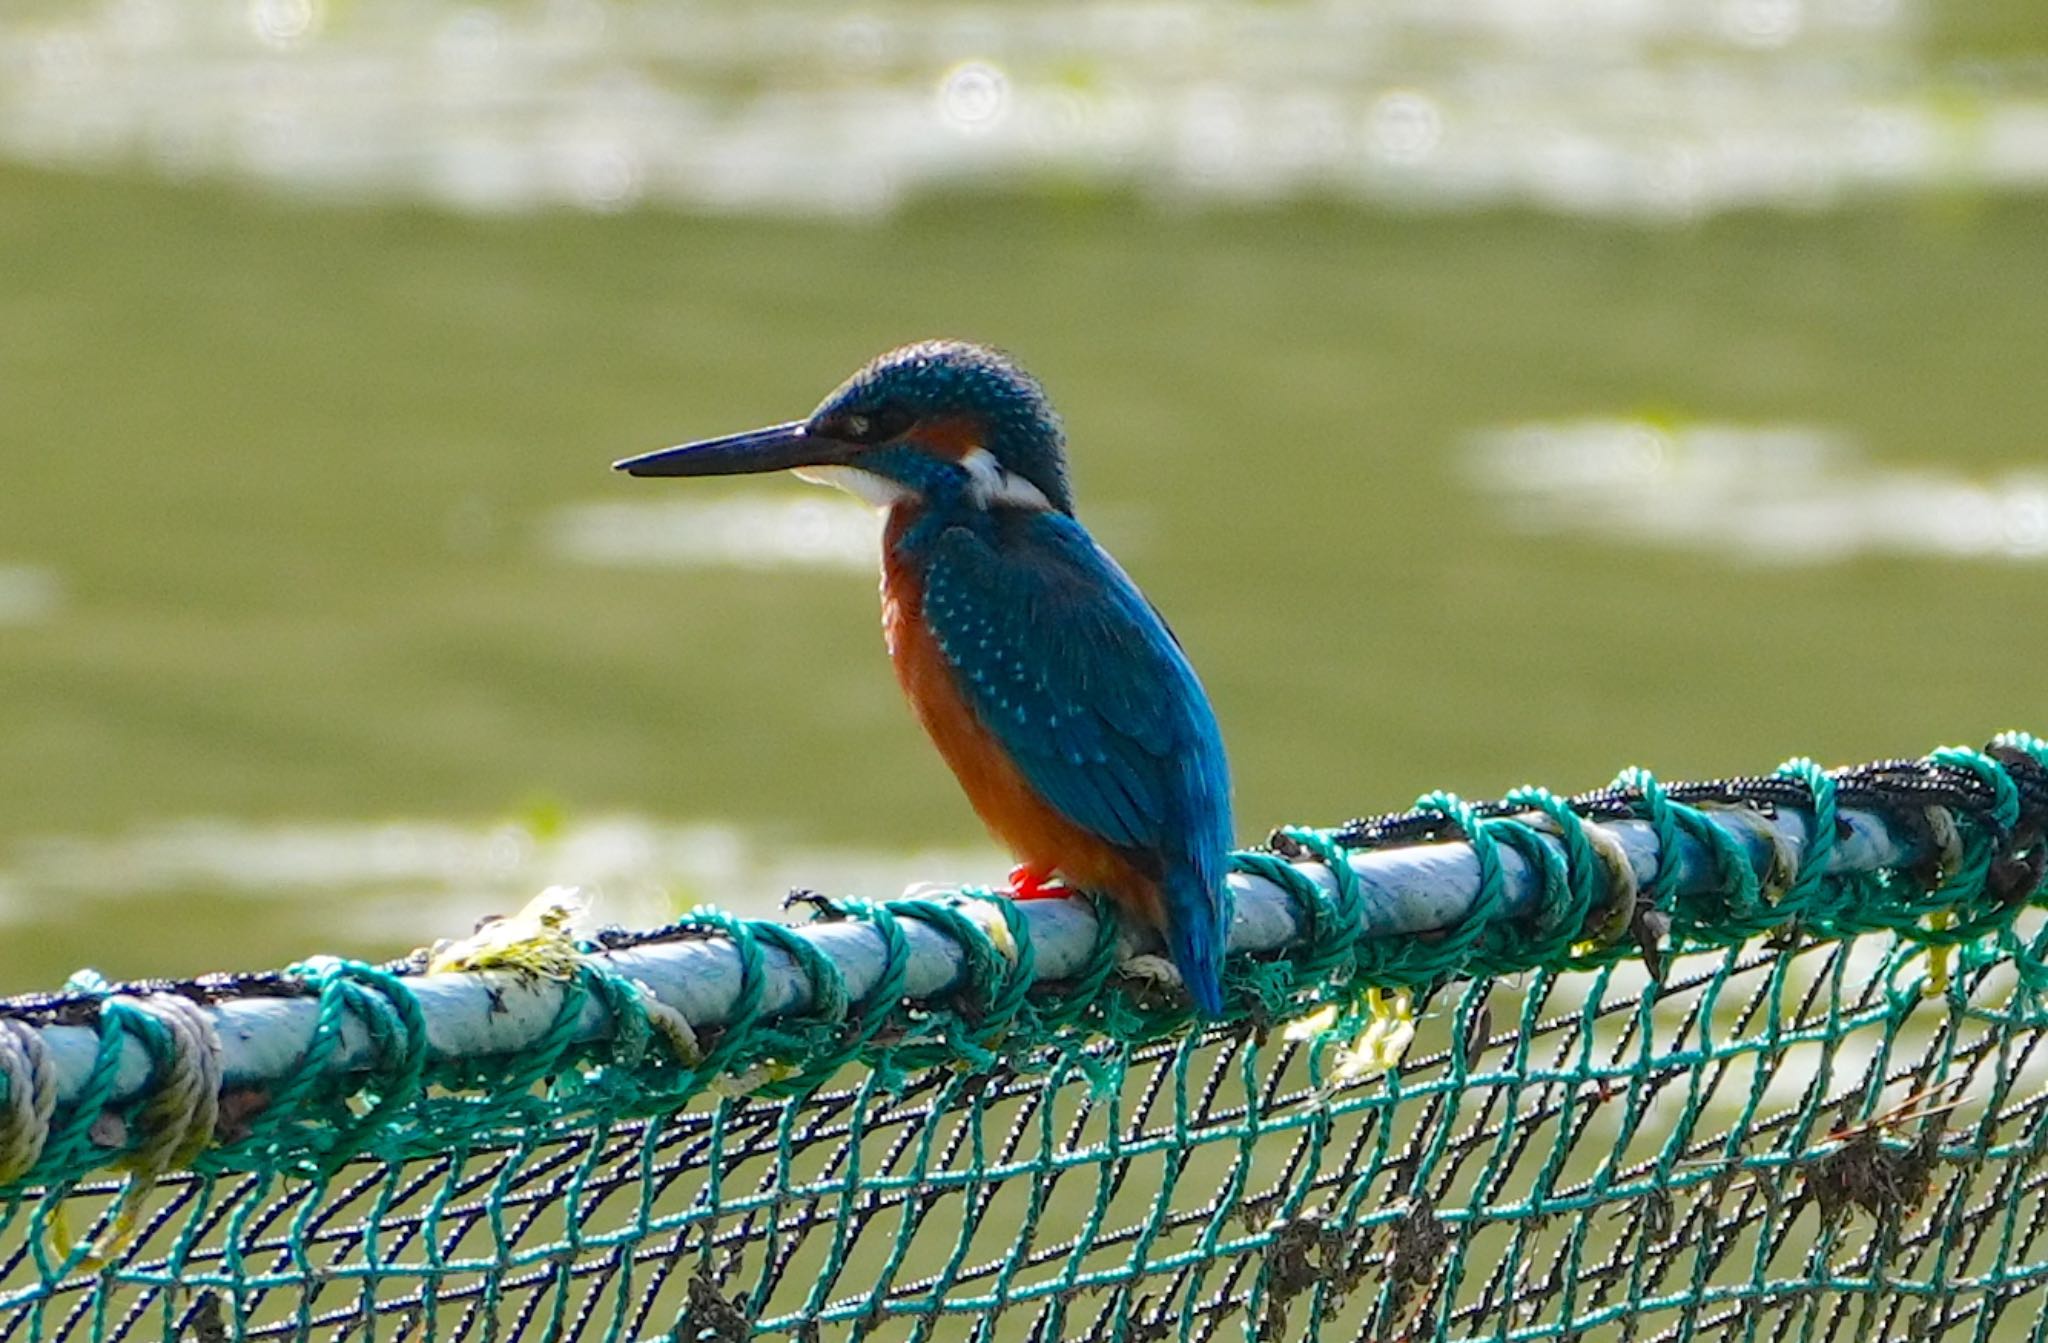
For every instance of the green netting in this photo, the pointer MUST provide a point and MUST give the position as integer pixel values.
(1805, 1105)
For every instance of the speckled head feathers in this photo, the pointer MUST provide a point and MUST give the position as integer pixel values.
(937, 381)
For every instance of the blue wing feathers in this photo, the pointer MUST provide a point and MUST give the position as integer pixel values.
(1062, 658)
(1088, 691)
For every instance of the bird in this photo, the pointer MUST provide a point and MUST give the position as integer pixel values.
(1062, 702)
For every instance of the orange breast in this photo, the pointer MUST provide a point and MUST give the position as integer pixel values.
(1008, 805)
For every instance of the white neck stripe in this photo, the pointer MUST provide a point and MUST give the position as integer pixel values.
(989, 484)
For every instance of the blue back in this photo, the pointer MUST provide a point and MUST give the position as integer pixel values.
(1087, 690)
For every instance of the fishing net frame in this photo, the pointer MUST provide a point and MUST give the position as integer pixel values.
(1759, 1058)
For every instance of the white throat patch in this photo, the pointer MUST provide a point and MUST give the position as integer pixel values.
(988, 484)
(866, 486)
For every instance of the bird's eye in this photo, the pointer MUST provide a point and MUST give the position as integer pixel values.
(877, 425)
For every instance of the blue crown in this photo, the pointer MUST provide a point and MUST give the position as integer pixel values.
(936, 379)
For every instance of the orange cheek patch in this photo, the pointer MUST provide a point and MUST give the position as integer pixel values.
(953, 437)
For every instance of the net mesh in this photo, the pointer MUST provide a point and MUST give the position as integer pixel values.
(1801, 1135)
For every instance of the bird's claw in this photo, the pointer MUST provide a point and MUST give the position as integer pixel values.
(1027, 883)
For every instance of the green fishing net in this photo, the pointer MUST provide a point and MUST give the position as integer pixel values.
(1815, 1131)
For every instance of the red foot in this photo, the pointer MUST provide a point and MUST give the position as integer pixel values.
(1027, 884)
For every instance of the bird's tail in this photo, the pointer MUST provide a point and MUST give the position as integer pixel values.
(1197, 919)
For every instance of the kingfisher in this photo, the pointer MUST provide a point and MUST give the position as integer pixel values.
(1053, 689)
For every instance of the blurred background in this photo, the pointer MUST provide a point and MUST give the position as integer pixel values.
(1490, 391)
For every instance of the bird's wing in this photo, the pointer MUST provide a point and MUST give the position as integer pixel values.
(1069, 667)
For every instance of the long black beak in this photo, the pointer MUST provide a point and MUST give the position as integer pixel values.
(776, 448)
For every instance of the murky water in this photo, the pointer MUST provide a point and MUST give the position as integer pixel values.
(325, 627)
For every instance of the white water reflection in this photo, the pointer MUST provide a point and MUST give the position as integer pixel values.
(1786, 494)
(798, 529)
(1650, 108)
(28, 593)
(735, 531)
(416, 878)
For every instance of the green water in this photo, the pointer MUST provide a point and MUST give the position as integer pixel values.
(291, 466)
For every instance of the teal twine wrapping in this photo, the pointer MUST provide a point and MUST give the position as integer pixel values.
(70, 1149)
(1566, 921)
(1065, 1001)
(1805, 886)
(1982, 846)
(1736, 901)
(1014, 999)
(967, 1027)
(1001, 994)
(820, 1041)
(1331, 922)
(1548, 931)
(999, 1011)
(177, 1117)
(2027, 960)
(1650, 804)
(166, 1126)
(632, 1031)
(516, 1074)
(1408, 960)
(731, 1046)
(879, 1008)
(391, 1014)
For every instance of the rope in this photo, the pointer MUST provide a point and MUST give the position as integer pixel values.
(171, 1126)
(31, 1098)
(1984, 814)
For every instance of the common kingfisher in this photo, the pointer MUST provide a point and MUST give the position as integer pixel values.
(1053, 689)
